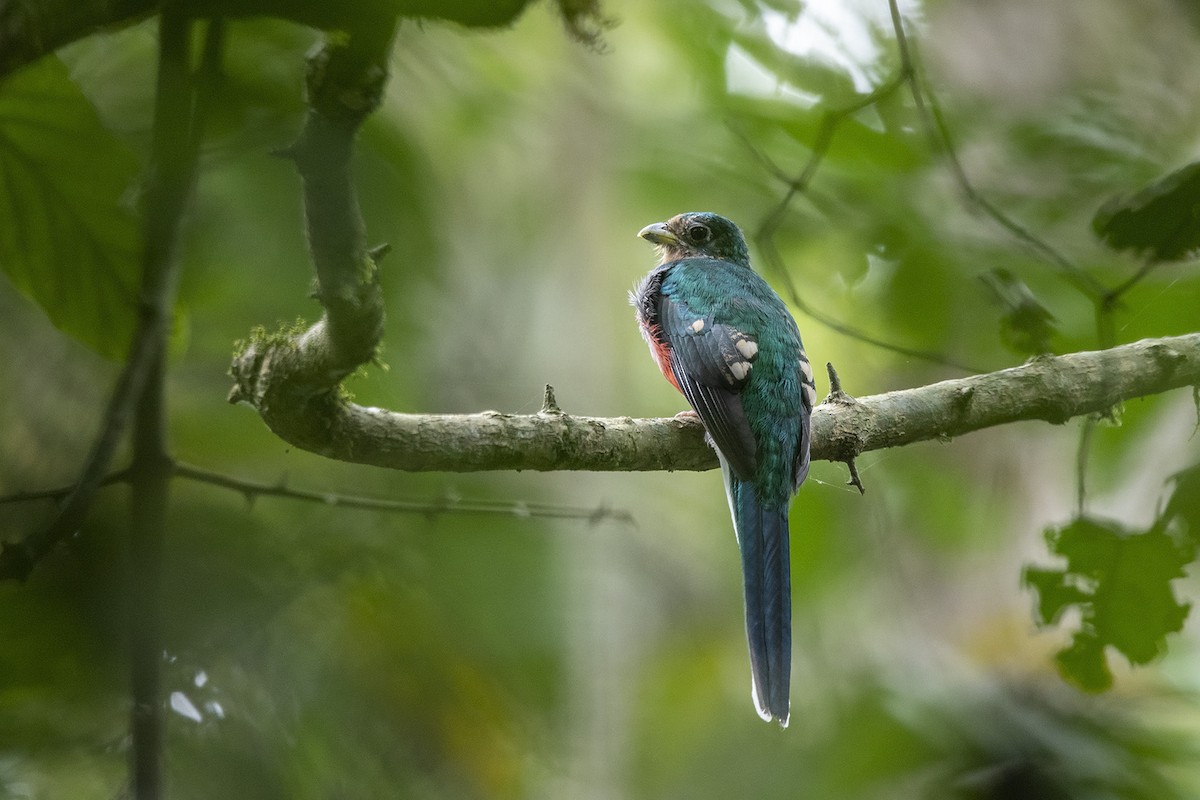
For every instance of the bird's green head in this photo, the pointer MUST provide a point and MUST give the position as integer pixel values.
(698, 235)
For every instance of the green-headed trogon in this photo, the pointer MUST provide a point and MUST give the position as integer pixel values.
(723, 337)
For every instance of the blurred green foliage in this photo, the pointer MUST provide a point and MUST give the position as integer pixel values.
(316, 652)
(70, 236)
(1120, 580)
(1162, 221)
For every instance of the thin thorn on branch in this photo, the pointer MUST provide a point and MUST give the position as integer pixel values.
(855, 480)
(377, 252)
(549, 403)
(838, 396)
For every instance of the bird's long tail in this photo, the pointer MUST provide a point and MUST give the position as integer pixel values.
(766, 572)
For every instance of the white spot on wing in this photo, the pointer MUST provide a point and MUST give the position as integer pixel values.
(698, 326)
(748, 348)
(806, 368)
(740, 369)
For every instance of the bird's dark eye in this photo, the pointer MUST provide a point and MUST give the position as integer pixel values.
(698, 234)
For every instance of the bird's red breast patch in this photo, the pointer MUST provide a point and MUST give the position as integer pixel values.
(662, 354)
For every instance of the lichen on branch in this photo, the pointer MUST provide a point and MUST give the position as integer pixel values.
(301, 370)
(1052, 389)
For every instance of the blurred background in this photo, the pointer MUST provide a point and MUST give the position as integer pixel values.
(320, 652)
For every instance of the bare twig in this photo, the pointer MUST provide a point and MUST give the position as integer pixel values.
(1113, 296)
(934, 125)
(179, 114)
(766, 247)
(764, 236)
(938, 133)
(254, 489)
(157, 298)
(59, 492)
(1082, 453)
(838, 396)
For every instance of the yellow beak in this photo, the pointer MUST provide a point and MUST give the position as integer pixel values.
(658, 234)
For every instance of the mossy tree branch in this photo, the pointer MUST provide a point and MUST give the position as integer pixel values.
(1052, 388)
(303, 371)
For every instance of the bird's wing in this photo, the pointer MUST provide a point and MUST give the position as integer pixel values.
(712, 363)
(808, 399)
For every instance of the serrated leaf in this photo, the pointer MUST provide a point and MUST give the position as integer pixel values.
(1161, 221)
(1121, 582)
(67, 238)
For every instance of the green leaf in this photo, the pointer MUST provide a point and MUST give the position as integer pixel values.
(1083, 663)
(1135, 607)
(831, 84)
(1026, 326)
(856, 145)
(1161, 221)
(1185, 501)
(68, 238)
(1055, 596)
(1121, 582)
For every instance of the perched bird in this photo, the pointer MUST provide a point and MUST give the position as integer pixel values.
(725, 340)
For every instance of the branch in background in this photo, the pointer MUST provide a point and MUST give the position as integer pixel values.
(936, 130)
(1104, 300)
(1052, 388)
(1114, 295)
(939, 134)
(302, 371)
(17, 558)
(169, 183)
(765, 240)
(180, 109)
(764, 236)
(252, 490)
(59, 492)
(29, 29)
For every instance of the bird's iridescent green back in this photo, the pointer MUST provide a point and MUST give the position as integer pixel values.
(774, 396)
